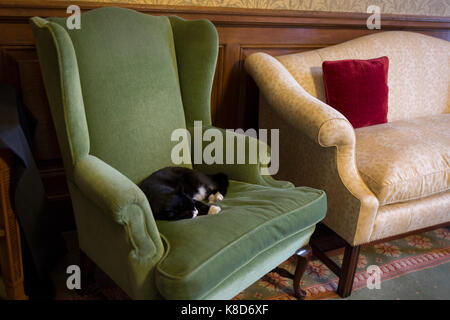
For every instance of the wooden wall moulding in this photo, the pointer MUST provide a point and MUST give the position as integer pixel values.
(234, 100)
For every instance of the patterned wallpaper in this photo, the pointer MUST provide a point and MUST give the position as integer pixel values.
(412, 7)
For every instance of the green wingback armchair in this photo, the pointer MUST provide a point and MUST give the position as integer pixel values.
(118, 87)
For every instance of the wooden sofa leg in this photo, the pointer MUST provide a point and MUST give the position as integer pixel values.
(303, 257)
(348, 269)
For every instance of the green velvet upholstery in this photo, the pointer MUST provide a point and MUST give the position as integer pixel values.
(117, 89)
(107, 66)
(196, 45)
(251, 222)
(247, 172)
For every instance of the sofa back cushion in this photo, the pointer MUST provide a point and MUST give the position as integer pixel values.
(131, 93)
(419, 70)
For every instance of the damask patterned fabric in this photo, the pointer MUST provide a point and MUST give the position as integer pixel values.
(408, 216)
(405, 160)
(419, 70)
(352, 207)
(380, 181)
(416, 7)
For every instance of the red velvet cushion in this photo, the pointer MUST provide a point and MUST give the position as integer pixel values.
(358, 89)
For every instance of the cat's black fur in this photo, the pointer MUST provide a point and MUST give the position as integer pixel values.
(171, 191)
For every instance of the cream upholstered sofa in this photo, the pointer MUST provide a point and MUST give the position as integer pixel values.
(383, 180)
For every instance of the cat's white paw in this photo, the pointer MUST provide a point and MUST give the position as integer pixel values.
(215, 197)
(219, 196)
(214, 210)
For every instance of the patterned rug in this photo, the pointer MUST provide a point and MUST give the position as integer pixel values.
(395, 259)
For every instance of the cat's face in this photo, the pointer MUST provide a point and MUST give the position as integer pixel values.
(180, 206)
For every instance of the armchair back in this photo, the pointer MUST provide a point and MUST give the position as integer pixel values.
(125, 79)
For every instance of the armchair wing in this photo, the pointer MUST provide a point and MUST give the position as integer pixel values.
(246, 172)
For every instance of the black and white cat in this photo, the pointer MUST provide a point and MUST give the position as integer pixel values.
(176, 193)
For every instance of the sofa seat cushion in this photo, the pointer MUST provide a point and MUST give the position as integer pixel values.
(202, 252)
(405, 160)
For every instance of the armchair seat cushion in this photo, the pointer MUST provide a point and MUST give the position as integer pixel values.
(405, 160)
(202, 252)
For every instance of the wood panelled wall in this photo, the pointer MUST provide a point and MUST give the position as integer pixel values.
(234, 101)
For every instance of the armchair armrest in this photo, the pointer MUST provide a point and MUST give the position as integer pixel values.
(247, 172)
(116, 194)
(325, 127)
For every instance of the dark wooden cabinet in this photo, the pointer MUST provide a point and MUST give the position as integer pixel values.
(11, 266)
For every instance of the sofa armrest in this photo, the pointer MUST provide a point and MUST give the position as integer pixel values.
(320, 122)
(122, 199)
(326, 127)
